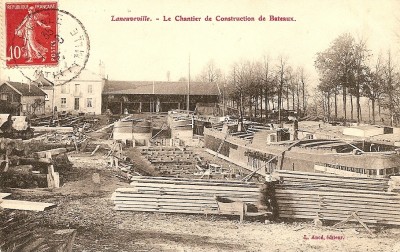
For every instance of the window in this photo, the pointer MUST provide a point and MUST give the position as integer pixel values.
(3, 97)
(89, 103)
(76, 88)
(63, 102)
(64, 88)
(90, 89)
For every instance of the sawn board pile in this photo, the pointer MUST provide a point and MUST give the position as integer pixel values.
(328, 197)
(178, 195)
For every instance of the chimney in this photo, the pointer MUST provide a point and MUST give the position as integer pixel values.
(102, 69)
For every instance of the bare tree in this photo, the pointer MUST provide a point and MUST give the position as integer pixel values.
(210, 73)
(282, 76)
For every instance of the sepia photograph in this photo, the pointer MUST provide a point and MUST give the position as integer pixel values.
(242, 125)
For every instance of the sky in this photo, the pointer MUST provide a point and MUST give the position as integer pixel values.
(137, 50)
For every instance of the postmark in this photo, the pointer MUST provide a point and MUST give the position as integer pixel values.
(31, 34)
(63, 36)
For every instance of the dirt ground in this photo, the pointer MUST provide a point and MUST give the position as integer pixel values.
(87, 207)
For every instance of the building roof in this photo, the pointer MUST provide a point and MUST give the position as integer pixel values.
(159, 87)
(84, 75)
(25, 89)
(43, 82)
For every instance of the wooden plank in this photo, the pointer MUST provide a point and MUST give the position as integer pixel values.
(146, 179)
(160, 204)
(197, 183)
(331, 197)
(53, 129)
(299, 183)
(192, 191)
(53, 152)
(186, 195)
(328, 201)
(182, 211)
(197, 187)
(343, 193)
(332, 179)
(25, 205)
(310, 179)
(4, 195)
(141, 197)
(324, 175)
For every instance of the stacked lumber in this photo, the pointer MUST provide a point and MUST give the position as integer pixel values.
(328, 197)
(179, 195)
(312, 179)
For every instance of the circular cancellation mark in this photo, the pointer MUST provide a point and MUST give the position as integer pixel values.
(67, 51)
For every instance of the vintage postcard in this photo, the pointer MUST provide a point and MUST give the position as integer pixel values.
(243, 125)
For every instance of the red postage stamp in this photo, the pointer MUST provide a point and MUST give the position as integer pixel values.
(31, 34)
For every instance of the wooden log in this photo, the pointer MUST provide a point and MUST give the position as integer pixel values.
(95, 150)
(53, 129)
(21, 168)
(53, 152)
(36, 161)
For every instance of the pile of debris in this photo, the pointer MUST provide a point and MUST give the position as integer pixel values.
(20, 232)
(171, 161)
(118, 160)
(22, 166)
(65, 120)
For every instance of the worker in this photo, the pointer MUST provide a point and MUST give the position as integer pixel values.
(296, 129)
(7, 128)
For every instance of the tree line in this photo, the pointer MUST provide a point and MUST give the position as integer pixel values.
(258, 88)
(346, 71)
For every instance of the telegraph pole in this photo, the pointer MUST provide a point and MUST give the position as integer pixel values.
(188, 88)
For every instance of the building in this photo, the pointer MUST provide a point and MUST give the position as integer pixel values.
(79, 95)
(27, 98)
(48, 87)
(156, 96)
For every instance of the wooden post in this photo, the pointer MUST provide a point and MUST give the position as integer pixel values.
(53, 178)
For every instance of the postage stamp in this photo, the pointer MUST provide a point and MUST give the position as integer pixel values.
(31, 34)
(42, 39)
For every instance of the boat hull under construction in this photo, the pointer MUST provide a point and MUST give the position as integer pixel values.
(309, 155)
